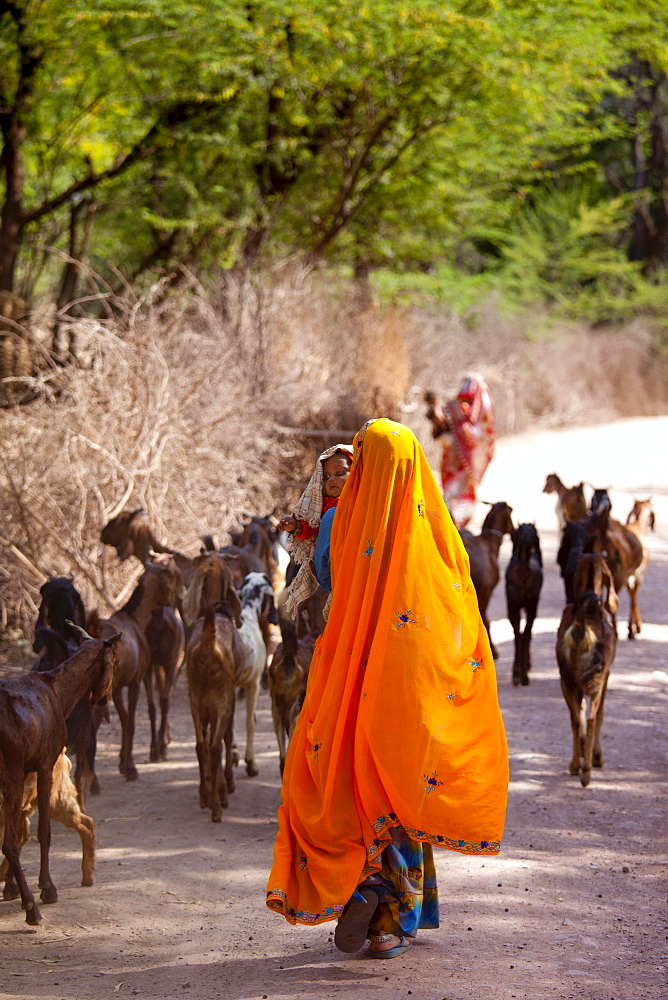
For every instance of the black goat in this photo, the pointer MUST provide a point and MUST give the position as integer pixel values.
(56, 641)
(524, 580)
(573, 542)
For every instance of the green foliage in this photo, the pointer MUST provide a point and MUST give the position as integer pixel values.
(387, 133)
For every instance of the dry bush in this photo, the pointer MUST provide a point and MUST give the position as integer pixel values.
(182, 404)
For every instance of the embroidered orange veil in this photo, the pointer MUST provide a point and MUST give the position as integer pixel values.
(401, 723)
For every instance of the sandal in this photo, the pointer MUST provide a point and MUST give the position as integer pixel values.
(398, 949)
(352, 929)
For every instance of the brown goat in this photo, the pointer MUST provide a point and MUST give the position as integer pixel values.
(256, 539)
(33, 709)
(593, 573)
(483, 552)
(165, 635)
(131, 535)
(639, 522)
(571, 503)
(157, 588)
(288, 674)
(212, 581)
(211, 665)
(625, 554)
(64, 808)
(586, 645)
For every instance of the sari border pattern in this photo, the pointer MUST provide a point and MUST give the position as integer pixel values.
(277, 900)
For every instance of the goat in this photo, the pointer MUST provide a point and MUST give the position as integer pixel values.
(573, 541)
(212, 581)
(64, 808)
(600, 501)
(571, 503)
(166, 642)
(165, 635)
(524, 580)
(33, 709)
(211, 667)
(55, 639)
(131, 535)
(593, 573)
(83, 721)
(483, 552)
(157, 588)
(624, 552)
(60, 603)
(257, 607)
(258, 537)
(640, 519)
(288, 674)
(586, 645)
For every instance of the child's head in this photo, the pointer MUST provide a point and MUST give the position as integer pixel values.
(335, 470)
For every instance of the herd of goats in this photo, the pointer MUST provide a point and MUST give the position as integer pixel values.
(217, 609)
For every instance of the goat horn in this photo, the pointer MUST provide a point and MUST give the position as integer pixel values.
(274, 520)
(487, 503)
(230, 555)
(112, 639)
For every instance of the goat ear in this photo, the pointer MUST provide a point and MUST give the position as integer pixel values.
(78, 630)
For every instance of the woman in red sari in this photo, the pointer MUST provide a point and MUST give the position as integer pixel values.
(466, 426)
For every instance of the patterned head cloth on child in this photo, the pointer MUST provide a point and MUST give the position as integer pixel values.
(308, 508)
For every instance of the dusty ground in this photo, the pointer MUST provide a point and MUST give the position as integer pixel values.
(573, 907)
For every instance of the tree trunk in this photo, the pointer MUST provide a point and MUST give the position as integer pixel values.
(68, 283)
(11, 217)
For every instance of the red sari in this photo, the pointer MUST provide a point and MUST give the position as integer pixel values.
(468, 448)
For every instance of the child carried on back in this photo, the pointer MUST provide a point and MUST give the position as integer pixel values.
(321, 494)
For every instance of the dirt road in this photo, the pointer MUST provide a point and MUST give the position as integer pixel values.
(573, 906)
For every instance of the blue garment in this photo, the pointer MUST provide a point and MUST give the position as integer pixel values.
(406, 887)
(321, 557)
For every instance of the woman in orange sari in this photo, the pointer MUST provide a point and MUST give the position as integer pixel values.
(400, 744)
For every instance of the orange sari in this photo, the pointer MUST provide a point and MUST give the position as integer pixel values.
(401, 723)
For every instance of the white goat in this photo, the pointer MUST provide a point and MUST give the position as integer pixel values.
(257, 604)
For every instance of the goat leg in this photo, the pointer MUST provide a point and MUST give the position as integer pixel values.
(13, 796)
(229, 763)
(11, 889)
(69, 813)
(597, 753)
(514, 618)
(252, 691)
(203, 756)
(164, 734)
(280, 730)
(494, 650)
(154, 754)
(49, 893)
(635, 622)
(128, 736)
(526, 640)
(573, 701)
(218, 784)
